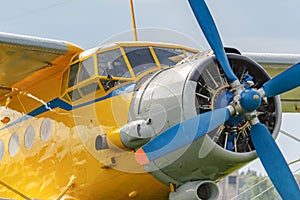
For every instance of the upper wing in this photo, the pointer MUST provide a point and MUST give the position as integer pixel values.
(274, 64)
(21, 56)
(271, 60)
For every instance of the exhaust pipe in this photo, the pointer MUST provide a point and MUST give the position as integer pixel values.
(196, 190)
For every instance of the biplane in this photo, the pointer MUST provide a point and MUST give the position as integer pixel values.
(137, 120)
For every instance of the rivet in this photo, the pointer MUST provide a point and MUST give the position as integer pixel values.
(133, 194)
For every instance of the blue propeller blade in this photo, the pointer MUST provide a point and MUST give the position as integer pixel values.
(274, 162)
(181, 134)
(283, 82)
(210, 31)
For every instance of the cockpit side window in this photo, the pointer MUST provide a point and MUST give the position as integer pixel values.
(112, 64)
(168, 56)
(86, 69)
(140, 59)
(73, 75)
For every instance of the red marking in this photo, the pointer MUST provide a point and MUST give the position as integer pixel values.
(141, 157)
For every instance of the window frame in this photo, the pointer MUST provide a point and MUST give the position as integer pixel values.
(96, 78)
(157, 66)
(80, 68)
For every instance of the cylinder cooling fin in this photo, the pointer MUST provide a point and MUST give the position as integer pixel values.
(213, 91)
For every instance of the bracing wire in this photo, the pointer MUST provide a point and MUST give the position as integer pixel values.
(250, 188)
(271, 187)
(266, 190)
(35, 11)
(290, 135)
(265, 179)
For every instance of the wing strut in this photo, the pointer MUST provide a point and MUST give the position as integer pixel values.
(133, 21)
(14, 190)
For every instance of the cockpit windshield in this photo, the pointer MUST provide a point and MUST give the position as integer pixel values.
(140, 59)
(112, 64)
(168, 56)
(106, 68)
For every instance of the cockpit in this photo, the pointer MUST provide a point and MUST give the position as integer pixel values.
(103, 68)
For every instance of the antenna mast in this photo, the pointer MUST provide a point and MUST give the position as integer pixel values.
(133, 21)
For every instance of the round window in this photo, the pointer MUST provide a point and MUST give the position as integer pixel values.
(1, 149)
(46, 129)
(29, 137)
(13, 144)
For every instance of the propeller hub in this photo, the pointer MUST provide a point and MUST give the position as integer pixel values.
(250, 100)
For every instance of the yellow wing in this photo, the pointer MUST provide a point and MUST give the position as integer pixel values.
(22, 56)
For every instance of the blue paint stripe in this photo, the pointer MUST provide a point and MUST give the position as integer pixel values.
(58, 103)
(94, 101)
(51, 105)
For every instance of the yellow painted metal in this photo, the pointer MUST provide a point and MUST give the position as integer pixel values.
(155, 57)
(172, 187)
(114, 137)
(127, 62)
(68, 187)
(44, 170)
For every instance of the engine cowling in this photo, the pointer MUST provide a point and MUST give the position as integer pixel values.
(194, 86)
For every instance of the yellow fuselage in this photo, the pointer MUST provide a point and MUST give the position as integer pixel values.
(54, 153)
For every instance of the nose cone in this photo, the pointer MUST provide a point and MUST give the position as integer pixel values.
(250, 100)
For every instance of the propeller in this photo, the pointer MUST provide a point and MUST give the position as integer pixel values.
(279, 84)
(249, 100)
(210, 31)
(274, 162)
(267, 150)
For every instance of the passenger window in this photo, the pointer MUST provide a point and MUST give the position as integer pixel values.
(86, 69)
(168, 56)
(46, 129)
(13, 144)
(112, 64)
(73, 75)
(29, 137)
(140, 59)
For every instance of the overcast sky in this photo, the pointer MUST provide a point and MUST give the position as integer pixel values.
(259, 26)
(264, 26)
